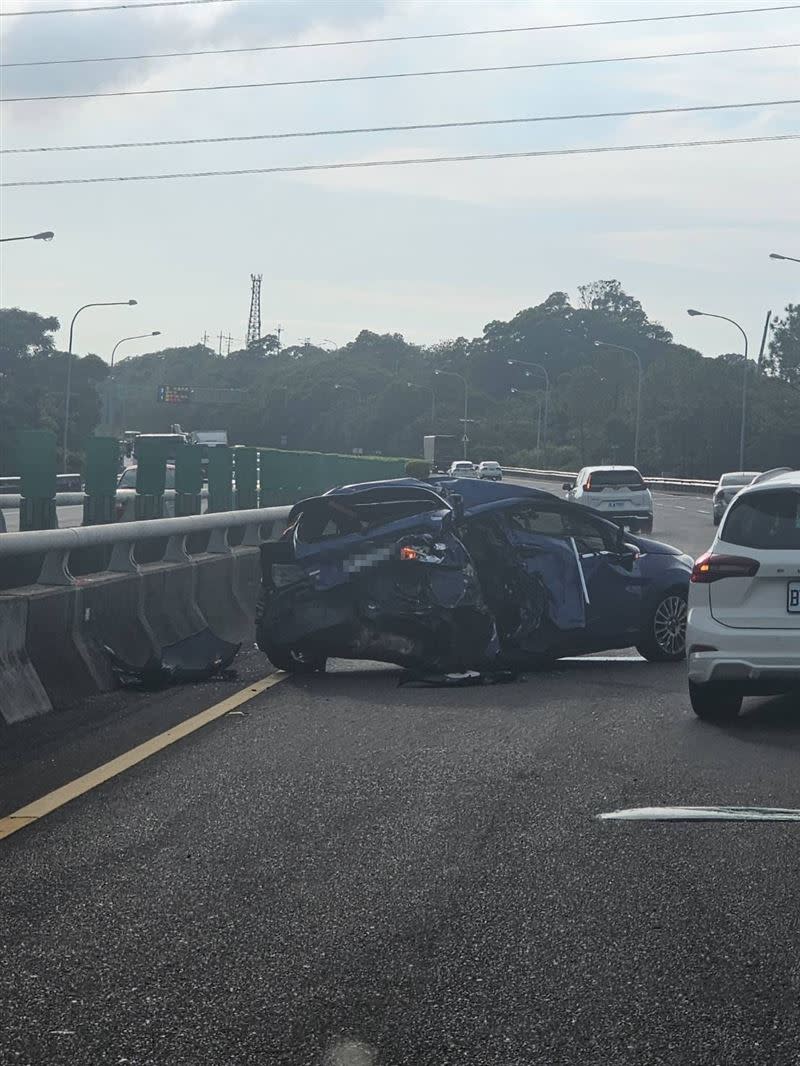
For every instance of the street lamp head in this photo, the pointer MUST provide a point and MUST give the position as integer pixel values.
(337, 386)
(46, 236)
(691, 311)
(132, 303)
(774, 255)
(511, 362)
(156, 333)
(436, 373)
(515, 391)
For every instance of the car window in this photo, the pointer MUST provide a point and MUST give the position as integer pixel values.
(128, 479)
(767, 520)
(735, 479)
(602, 479)
(589, 535)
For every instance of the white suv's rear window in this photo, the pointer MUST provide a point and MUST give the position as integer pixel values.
(606, 479)
(765, 520)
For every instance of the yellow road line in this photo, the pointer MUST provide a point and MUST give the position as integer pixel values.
(43, 806)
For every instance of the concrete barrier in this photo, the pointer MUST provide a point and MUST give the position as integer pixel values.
(22, 694)
(54, 634)
(223, 594)
(61, 643)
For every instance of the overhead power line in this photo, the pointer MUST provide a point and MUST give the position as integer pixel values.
(112, 7)
(399, 129)
(305, 167)
(404, 37)
(401, 74)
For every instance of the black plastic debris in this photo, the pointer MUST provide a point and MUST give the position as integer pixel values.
(197, 658)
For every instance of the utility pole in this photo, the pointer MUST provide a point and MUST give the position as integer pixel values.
(205, 338)
(278, 333)
(219, 349)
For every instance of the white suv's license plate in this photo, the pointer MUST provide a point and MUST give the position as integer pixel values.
(793, 597)
(620, 504)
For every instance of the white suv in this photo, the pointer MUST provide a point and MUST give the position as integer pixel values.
(461, 468)
(618, 492)
(743, 632)
(490, 470)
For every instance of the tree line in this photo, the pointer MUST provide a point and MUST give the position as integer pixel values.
(374, 393)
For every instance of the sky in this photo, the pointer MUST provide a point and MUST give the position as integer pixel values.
(431, 251)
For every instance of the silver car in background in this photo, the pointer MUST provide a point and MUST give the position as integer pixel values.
(729, 485)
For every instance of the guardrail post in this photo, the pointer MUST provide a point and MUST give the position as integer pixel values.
(246, 478)
(151, 475)
(188, 480)
(102, 462)
(220, 478)
(36, 462)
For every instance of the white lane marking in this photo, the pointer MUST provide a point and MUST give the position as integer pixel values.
(703, 814)
(677, 507)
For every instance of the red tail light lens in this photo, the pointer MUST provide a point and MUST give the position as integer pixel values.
(710, 568)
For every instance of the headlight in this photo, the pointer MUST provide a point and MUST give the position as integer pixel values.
(422, 553)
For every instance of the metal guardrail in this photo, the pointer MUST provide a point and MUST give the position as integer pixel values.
(56, 545)
(675, 484)
(11, 501)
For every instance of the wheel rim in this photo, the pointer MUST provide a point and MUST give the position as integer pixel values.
(669, 625)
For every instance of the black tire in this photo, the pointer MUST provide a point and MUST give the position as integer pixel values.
(715, 702)
(716, 520)
(646, 527)
(664, 640)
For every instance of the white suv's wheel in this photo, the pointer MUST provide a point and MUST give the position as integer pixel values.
(715, 701)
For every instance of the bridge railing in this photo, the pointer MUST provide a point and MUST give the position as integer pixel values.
(55, 546)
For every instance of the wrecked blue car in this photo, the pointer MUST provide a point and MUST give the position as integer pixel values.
(454, 574)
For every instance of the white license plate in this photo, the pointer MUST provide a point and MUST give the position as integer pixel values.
(793, 597)
(620, 504)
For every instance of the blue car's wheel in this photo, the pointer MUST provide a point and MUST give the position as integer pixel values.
(664, 639)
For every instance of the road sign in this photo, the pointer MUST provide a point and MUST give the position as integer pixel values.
(175, 393)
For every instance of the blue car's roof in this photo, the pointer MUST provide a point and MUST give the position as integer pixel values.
(473, 491)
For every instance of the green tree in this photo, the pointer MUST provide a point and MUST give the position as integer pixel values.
(783, 359)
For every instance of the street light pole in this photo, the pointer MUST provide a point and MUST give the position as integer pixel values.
(518, 392)
(538, 366)
(432, 391)
(112, 303)
(138, 337)
(111, 400)
(788, 258)
(733, 322)
(453, 374)
(46, 236)
(635, 354)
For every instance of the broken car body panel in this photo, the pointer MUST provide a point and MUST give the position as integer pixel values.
(450, 574)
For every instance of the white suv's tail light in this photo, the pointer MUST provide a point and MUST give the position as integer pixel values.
(710, 568)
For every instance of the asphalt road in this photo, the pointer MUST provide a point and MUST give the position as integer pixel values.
(349, 873)
(413, 876)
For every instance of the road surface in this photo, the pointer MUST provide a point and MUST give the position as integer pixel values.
(346, 872)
